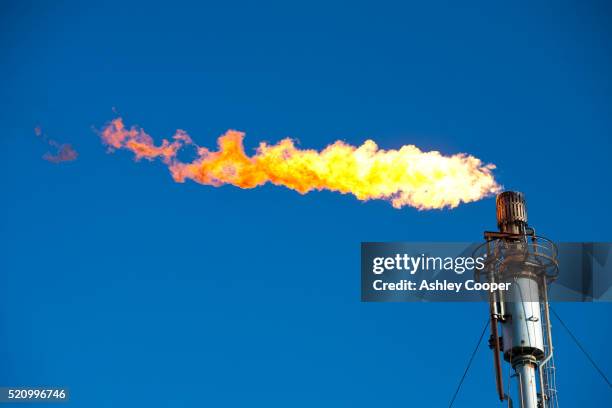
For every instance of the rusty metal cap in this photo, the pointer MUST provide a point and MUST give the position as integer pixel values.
(511, 209)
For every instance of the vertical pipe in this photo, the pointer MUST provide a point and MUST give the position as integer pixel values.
(542, 387)
(527, 383)
(495, 314)
(499, 382)
(547, 316)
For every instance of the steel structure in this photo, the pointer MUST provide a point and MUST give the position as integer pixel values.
(516, 255)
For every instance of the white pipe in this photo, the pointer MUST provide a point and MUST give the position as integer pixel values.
(527, 381)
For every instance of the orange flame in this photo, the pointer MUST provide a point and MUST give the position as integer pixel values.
(64, 151)
(405, 177)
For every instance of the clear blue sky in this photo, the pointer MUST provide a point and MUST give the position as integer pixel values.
(133, 290)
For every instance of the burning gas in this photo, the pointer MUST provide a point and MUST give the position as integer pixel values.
(64, 151)
(405, 177)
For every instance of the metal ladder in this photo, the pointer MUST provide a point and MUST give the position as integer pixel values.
(548, 372)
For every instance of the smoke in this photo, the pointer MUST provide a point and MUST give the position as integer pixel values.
(63, 151)
(404, 177)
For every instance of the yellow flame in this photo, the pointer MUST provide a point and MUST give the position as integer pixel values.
(405, 177)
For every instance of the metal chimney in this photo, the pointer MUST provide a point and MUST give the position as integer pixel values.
(511, 212)
(528, 262)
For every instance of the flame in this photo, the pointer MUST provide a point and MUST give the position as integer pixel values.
(405, 177)
(64, 151)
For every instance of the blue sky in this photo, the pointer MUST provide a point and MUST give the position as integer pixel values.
(133, 290)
